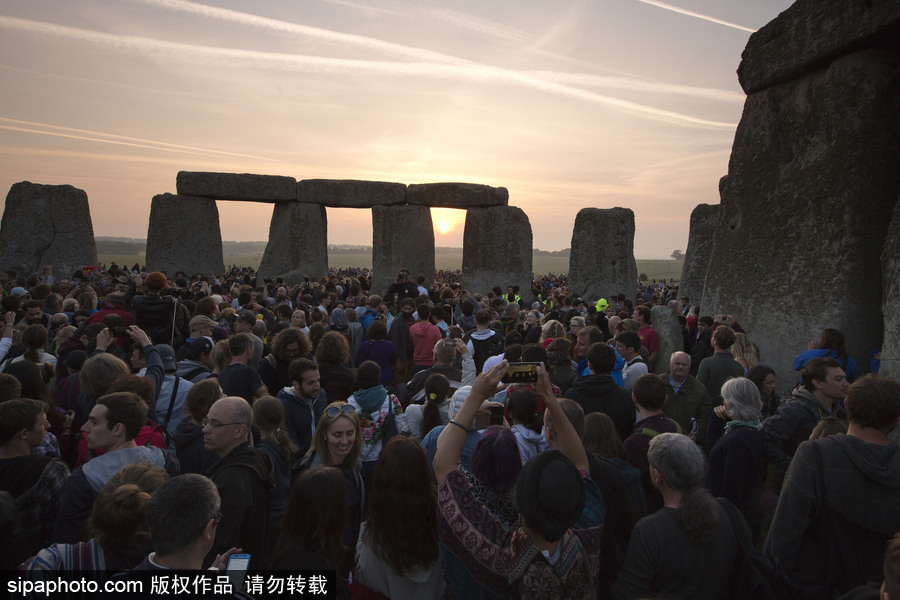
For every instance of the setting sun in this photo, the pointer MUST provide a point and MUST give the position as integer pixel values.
(447, 220)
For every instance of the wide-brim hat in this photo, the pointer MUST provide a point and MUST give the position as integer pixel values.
(550, 494)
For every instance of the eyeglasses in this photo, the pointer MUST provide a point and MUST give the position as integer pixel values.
(218, 517)
(216, 424)
(336, 411)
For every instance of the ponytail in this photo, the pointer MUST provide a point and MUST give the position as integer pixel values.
(437, 388)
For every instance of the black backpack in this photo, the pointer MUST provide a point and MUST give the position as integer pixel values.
(484, 349)
(755, 574)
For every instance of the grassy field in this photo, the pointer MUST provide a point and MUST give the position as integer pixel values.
(653, 269)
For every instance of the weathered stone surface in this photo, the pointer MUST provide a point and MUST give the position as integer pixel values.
(350, 193)
(184, 235)
(812, 183)
(696, 257)
(497, 249)
(46, 225)
(890, 268)
(812, 33)
(298, 243)
(601, 262)
(402, 237)
(668, 330)
(456, 195)
(237, 186)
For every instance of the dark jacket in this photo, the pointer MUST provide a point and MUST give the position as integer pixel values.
(301, 416)
(701, 349)
(189, 449)
(791, 425)
(599, 393)
(692, 401)
(87, 480)
(156, 314)
(274, 377)
(244, 478)
(858, 507)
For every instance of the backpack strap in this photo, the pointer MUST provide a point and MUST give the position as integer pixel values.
(165, 424)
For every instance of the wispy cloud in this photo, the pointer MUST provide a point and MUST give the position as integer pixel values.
(316, 64)
(690, 13)
(453, 18)
(420, 54)
(347, 39)
(109, 138)
(638, 85)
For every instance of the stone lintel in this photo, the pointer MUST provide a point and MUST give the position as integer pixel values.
(350, 193)
(456, 195)
(237, 186)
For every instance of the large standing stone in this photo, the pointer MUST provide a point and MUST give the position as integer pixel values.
(812, 33)
(46, 225)
(298, 243)
(601, 262)
(811, 187)
(237, 186)
(668, 330)
(402, 238)
(497, 249)
(350, 193)
(696, 258)
(184, 235)
(456, 195)
(890, 263)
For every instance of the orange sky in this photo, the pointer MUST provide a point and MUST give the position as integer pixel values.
(570, 104)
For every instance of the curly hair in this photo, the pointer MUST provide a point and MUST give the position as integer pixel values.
(333, 349)
(287, 337)
(401, 525)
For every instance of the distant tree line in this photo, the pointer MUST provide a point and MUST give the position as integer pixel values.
(108, 245)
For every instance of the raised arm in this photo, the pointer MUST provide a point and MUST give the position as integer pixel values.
(451, 441)
(569, 442)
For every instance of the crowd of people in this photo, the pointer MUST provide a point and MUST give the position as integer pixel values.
(430, 441)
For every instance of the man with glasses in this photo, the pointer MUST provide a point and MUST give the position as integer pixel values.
(243, 477)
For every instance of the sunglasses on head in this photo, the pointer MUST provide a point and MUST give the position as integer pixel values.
(336, 411)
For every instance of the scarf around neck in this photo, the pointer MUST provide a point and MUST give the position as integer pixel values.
(370, 400)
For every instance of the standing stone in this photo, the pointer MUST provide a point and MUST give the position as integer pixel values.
(810, 34)
(668, 330)
(350, 193)
(402, 238)
(46, 225)
(696, 258)
(601, 262)
(497, 249)
(298, 243)
(184, 235)
(890, 265)
(812, 183)
(456, 195)
(237, 186)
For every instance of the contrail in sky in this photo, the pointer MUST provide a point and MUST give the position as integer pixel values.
(451, 17)
(316, 64)
(109, 138)
(246, 19)
(421, 54)
(690, 13)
